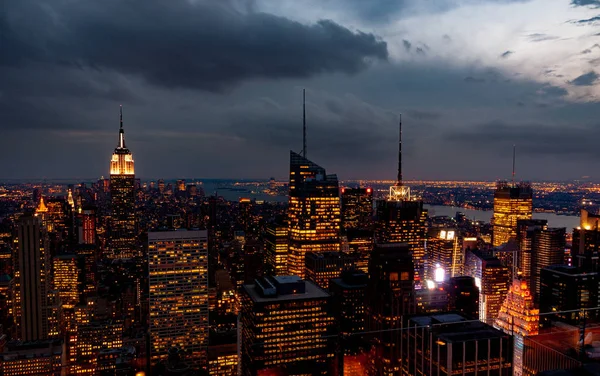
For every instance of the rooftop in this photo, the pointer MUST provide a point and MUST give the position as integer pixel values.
(311, 291)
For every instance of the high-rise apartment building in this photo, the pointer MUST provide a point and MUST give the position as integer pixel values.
(511, 203)
(313, 212)
(285, 328)
(323, 267)
(122, 193)
(492, 279)
(390, 296)
(178, 294)
(87, 226)
(31, 280)
(276, 249)
(526, 228)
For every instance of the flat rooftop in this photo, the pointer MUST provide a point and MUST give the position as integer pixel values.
(312, 291)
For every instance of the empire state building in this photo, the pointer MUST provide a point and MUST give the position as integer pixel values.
(122, 192)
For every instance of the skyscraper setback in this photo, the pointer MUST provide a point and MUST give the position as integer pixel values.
(122, 192)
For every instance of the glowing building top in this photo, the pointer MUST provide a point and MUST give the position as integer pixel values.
(122, 159)
(41, 208)
(518, 314)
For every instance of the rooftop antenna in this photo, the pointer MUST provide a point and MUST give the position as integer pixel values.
(121, 131)
(304, 122)
(513, 170)
(121, 115)
(399, 181)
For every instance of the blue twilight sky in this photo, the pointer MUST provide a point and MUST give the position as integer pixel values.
(214, 88)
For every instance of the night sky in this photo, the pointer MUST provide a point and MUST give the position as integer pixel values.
(213, 89)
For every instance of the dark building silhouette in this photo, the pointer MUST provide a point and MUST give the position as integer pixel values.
(390, 296)
(548, 249)
(357, 208)
(324, 266)
(567, 288)
(463, 296)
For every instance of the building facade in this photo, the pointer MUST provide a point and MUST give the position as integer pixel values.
(511, 203)
(178, 294)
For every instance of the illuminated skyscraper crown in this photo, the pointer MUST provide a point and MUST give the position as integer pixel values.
(122, 159)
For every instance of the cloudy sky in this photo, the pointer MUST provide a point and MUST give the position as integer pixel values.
(214, 88)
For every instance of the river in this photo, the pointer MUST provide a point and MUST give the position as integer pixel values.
(554, 220)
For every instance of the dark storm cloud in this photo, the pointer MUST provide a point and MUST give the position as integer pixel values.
(587, 79)
(206, 45)
(506, 54)
(423, 115)
(595, 3)
(532, 138)
(406, 44)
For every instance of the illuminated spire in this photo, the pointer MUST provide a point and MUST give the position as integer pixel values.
(41, 208)
(70, 199)
(399, 181)
(398, 191)
(121, 131)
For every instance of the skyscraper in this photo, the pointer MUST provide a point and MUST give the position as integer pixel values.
(30, 288)
(357, 208)
(548, 249)
(492, 279)
(324, 266)
(463, 296)
(519, 318)
(586, 242)
(178, 277)
(122, 193)
(525, 231)
(445, 254)
(402, 219)
(313, 212)
(285, 328)
(276, 248)
(511, 203)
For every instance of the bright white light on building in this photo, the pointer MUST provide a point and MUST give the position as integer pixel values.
(430, 284)
(439, 273)
(478, 282)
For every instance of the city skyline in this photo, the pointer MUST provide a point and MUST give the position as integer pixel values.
(482, 77)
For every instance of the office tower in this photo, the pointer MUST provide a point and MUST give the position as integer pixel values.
(511, 203)
(88, 253)
(87, 226)
(178, 295)
(277, 248)
(323, 266)
(31, 280)
(567, 289)
(519, 318)
(348, 297)
(548, 249)
(463, 296)
(357, 208)
(69, 279)
(285, 328)
(161, 186)
(445, 257)
(122, 194)
(181, 185)
(492, 279)
(586, 242)
(359, 243)
(313, 212)
(525, 230)
(449, 344)
(245, 214)
(192, 190)
(390, 296)
(402, 219)
(42, 357)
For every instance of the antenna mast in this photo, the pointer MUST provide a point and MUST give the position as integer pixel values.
(304, 122)
(513, 170)
(399, 181)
